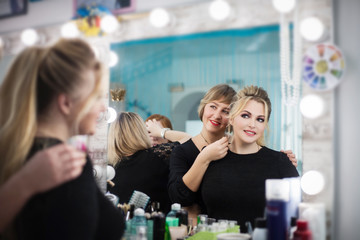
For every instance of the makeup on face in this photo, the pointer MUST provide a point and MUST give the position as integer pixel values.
(216, 115)
(249, 125)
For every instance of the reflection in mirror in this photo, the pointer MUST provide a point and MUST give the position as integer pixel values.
(170, 75)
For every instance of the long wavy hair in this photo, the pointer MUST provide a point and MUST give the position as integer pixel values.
(257, 94)
(34, 80)
(127, 135)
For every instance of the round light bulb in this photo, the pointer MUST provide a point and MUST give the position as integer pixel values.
(312, 106)
(111, 115)
(113, 59)
(110, 172)
(284, 6)
(159, 17)
(312, 182)
(219, 10)
(69, 30)
(29, 37)
(312, 29)
(109, 24)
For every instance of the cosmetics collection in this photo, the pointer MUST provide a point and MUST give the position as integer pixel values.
(286, 218)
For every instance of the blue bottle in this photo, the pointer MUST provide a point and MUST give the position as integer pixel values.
(277, 198)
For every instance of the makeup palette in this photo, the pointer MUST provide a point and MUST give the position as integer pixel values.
(323, 66)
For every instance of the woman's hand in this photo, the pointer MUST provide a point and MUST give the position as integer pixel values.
(53, 166)
(291, 156)
(154, 128)
(216, 150)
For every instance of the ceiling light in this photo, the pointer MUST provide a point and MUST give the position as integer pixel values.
(29, 37)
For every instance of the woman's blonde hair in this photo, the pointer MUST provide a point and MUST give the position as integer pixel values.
(220, 92)
(36, 77)
(127, 135)
(257, 94)
(165, 122)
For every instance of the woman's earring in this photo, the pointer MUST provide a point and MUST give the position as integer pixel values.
(229, 128)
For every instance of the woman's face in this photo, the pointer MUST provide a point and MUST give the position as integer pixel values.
(249, 125)
(88, 122)
(216, 116)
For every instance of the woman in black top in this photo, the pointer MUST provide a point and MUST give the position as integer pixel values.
(234, 187)
(49, 95)
(189, 161)
(138, 166)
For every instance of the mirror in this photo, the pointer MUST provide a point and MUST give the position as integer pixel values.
(170, 75)
(182, 89)
(164, 62)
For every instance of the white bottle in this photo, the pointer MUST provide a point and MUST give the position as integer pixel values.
(260, 231)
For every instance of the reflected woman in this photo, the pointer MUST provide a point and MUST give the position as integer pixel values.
(234, 187)
(138, 165)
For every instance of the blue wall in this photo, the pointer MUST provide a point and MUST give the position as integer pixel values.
(147, 68)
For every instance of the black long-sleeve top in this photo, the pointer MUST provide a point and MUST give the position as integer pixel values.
(146, 171)
(74, 210)
(181, 160)
(233, 188)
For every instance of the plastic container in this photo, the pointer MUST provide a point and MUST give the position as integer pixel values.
(175, 208)
(260, 230)
(138, 220)
(277, 198)
(159, 226)
(302, 231)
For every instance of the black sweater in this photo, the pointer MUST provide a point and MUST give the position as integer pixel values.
(181, 160)
(146, 171)
(233, 188)
(74, 210)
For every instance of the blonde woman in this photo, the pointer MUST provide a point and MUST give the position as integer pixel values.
(189, 161)
(234, 187)
(48, 95)
(139, 166)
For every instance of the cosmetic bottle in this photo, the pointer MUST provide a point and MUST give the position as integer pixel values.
(302, 231)
(277, 197)
(171, 219)
(137, 221)
(182, 215)
(260, 230)
(158, 226)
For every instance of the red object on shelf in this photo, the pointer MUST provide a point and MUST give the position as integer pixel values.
(302, 232)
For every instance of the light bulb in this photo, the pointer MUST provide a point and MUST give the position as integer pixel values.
(219, 10)
(312, 182)
(312, 29)
(109, 24)
(312, 106)
(284, 6)
(110, 172)
(29, 37)
(111, 115)
(69, 30)
(113, 59)
(159, 17)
